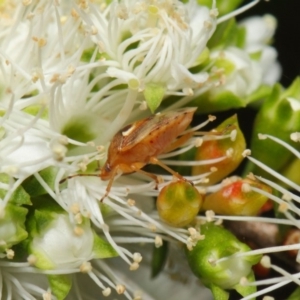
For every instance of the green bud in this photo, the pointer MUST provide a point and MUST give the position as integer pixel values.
(178, 203)
(220, 243)
(279, 116)
(12, 226)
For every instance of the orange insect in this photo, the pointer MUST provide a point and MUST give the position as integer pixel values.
(139, 144)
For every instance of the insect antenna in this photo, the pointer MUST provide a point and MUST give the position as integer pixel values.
(77, 175)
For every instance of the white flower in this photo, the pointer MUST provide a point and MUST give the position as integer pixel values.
(61, 245)
(73, 73)
(151, 42)
(259, 33)
(241, 75)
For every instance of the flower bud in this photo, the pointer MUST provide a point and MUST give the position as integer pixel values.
(279, 116)
(212, 149)
(237, 198)
(178, 203)
(220, 243)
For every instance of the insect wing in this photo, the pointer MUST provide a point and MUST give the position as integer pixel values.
(140, 130)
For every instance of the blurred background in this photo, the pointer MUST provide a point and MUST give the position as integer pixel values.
(287, 36)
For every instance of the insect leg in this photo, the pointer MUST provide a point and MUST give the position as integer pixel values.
(155, 161)
(110, 182)
(157, 179)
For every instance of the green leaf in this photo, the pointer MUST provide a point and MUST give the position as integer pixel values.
(60, 285)
(34, 188)
(45, 211)
(159, 257)
(218, 293)
(261, 93)
(19, 196)
(12, 226)
(223, 6)
(88, 53)
(228, 34)
(225, 100)
(35, 109)
(103, 249)
(295, 295)
(154, 93)
(247, 289)
(43, 262)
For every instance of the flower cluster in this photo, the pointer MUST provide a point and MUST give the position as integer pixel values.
(72, 75)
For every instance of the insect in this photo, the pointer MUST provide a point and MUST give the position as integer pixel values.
(139, 144)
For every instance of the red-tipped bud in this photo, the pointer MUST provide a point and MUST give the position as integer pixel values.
(236, 197)
(230, 148)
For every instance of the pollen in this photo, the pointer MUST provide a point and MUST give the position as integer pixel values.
(78, 231)
(85, 267)
(295, 136)
(262, 136)
(158, 242)
(212, 118)
(198, 142)
(32, 259)
(208, 25)
(243, 281)
(78, 218)
(268, 298)
(287, 197)
(75, 208)
(229, 152)
(94, 30)
(47, 296)
(246, 188)
(246, 153)
(214, 12)
(106, 292)
(131, 202)
(137, 257)
(74, 13)
(10, 253)
(152, 227)
(36, 76)
(266, 262)
(283, 207)
(233, 135)
(134, 266)
(210, 215)
(120, 288)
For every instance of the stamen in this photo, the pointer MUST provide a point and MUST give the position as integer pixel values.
(237, 12)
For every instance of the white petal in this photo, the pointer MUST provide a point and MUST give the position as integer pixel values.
(259, 29)
(62, 246)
